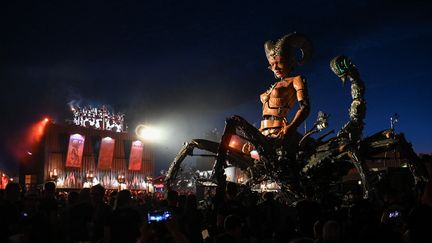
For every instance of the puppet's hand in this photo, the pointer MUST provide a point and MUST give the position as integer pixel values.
(286, 131)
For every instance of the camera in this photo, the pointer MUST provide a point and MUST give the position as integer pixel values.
(394, 214)
(158, 216)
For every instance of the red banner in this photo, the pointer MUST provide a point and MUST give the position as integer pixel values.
(75, 151)
(106, 153)
(136, 153)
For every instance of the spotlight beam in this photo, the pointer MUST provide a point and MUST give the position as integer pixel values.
(148, 133)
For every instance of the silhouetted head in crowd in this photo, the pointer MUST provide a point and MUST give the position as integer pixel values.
(331, 232)
(268, 196)
(12, 192)
(84, 195)
(72, 197)
(181, 201)
(97, 193)
(231, 190)
(191, 202)
(232, 224)
(172, 198)
(49, 189)
(124, 199)
(112, 198)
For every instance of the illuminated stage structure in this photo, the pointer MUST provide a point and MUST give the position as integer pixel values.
(98, 118)
(96, 149)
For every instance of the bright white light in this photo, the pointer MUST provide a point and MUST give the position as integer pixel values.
(109, 139)
(148, 133)
(359, 182)
(95, 181)
(254, 154)
(115, 183)
(60, 182)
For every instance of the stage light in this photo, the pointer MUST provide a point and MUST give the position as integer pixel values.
(46, 119)
(254, 154)
(148, 133)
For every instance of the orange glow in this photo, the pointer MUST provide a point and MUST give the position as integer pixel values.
(233, 144)
(24, 142)
(236, 142)
(37, 130)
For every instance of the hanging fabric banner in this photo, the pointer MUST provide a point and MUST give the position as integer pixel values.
(106, 153)
(135, 157)
(75, 151)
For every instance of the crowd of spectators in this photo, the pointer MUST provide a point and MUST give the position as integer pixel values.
(97, 215)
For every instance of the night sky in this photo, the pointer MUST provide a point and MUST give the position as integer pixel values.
(187, 65)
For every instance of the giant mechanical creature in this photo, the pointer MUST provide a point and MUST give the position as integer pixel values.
(300, 163)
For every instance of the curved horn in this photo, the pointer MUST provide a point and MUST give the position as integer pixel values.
(269, 48)
(297, 40)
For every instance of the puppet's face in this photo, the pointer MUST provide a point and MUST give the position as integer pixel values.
(280, 66)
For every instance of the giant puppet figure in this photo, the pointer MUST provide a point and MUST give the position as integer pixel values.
(300, 164)
(288, 93)
(277, 140)
(288, 89)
